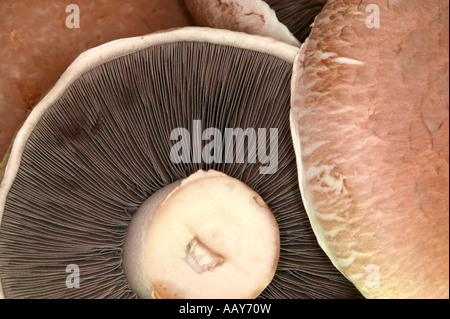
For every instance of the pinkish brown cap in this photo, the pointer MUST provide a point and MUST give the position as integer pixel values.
(370, 120)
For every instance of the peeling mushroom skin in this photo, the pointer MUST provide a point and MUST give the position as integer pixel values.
(249, 16)
(286, 20)
(36, 46)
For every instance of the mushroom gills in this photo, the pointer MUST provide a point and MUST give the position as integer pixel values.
(104, 147)
(297, 15)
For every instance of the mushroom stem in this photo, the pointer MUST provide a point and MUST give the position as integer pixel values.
(134, 246)
(203, 237)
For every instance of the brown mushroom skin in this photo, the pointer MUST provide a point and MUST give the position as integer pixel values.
(286, 20)
(249, 16)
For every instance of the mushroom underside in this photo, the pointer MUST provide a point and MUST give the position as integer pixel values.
(104, 147)
(297, 15)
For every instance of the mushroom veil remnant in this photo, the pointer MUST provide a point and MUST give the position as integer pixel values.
(97, 149)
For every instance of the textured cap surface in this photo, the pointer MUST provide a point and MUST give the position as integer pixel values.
(370, 122)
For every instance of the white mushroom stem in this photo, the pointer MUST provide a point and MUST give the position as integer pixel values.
(208, 236)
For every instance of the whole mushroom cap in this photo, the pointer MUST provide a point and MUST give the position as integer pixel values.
(98, 145)
(370, 126)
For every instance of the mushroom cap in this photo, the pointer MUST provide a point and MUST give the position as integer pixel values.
(97, 146)
(113, 49)
(370, 126)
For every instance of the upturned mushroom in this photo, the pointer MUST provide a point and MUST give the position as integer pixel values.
(128, 120)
